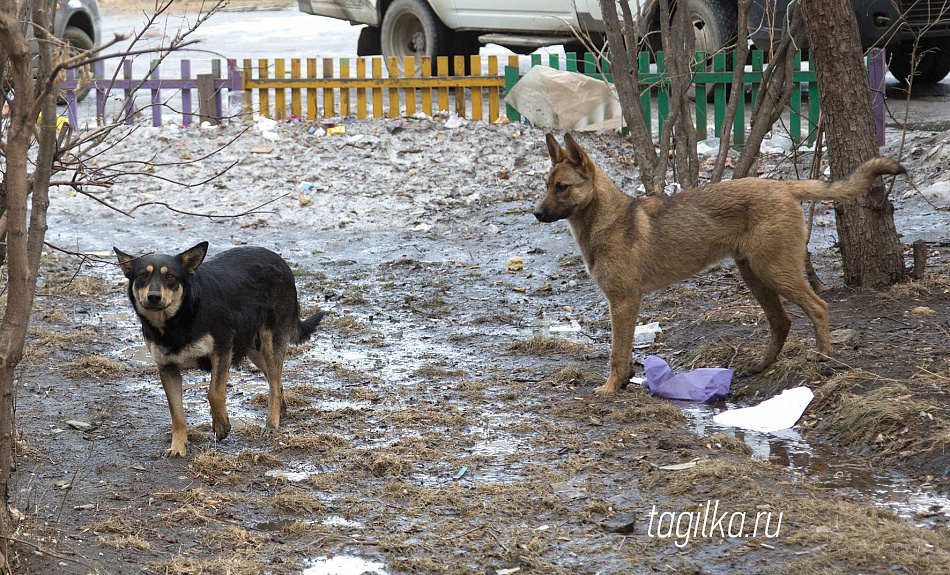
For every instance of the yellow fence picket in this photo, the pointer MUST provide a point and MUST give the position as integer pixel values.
(344, 92)
(264, 95)
(329, 103)
(312, 111)
(410, 65)
(494, 98)
(280, 106)
(361, 92)
(427, 92)
(295, 108)
(378, 91)
(392, 66)
(442, 65)
(476, 70)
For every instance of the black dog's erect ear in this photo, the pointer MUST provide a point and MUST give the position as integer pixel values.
(125, 261)
(554, 149)
(578, 157)
(192, 258)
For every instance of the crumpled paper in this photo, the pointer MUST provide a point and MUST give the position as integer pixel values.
(779, 412)
(705, 384)
(561, 100)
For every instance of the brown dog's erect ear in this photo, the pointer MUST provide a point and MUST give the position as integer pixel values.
(125, 261)
(554, 149)
(578, 157)
(191, 259)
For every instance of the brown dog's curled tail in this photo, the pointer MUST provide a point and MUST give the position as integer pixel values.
(851, 186)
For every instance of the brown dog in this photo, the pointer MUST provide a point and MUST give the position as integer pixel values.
(633, 246)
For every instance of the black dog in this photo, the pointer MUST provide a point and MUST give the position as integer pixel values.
(240, 304)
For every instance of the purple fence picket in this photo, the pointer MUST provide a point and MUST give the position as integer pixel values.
(128, 111)
(186, 114)
(71, 113)
(156, 95)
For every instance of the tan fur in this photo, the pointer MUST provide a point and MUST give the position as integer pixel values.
(636, 246)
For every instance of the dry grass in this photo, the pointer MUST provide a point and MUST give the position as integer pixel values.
(729, 444)
(384, 464)
(315, 442)
(297, 502)
(877, 415)
(94, 366)
(545, 345)
(578, 375)
(110, 525)
(125, 542)
(657, 412)
(215, 465)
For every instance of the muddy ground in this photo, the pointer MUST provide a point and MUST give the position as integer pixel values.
(436, 423)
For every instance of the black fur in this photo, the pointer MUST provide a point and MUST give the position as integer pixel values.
(239, 304)
(232, 297)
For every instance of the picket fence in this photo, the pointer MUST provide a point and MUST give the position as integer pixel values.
(362, 88)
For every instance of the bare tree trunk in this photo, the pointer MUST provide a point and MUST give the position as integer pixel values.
(774, 95)
(624, 43)
(679, 44)
(738, 91)
(24, 245)
(870, 249)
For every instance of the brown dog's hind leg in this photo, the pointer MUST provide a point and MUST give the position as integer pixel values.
(779, 322)
(789, 282)
(171, 382)
(217, 396)
(623, 322)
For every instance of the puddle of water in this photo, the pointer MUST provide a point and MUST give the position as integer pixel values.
(344, 565)
(138, 353)
(819, 464)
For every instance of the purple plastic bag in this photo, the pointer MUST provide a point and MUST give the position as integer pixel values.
(706, 384)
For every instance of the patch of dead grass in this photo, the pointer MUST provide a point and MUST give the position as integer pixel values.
(94, 366)
(545, 345)
(126, 541)
(315, 442)
(578, 375)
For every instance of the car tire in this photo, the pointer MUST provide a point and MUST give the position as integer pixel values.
(714, 24)
(934, 65)
(411, 28)
(78, 41)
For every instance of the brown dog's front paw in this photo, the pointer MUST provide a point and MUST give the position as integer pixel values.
(612, 386)
(174, 452)
(815, 355)
(221, 429)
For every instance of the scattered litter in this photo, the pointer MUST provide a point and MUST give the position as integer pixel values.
(644, 335)
(336, 130)
(705, 384)
(779, 412)
(304, 200)
(263, 123)
(708, 147)
(453, 122)
(572, 327)
(459, 475)
(80, 425)
(678, 466)
(260, 149)
(270, 136)
(306, 186)
(551, 98)
(515, 264)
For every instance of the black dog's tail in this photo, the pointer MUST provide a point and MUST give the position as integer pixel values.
(307, 326)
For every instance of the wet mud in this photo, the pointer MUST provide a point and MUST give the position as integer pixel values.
(437, 423)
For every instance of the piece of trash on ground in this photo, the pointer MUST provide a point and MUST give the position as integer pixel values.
(678, 466)
(779, 412)
(557, 99)
(515, 264)
(644, 335)
(704, 384)
(260, 149)
(572, 327)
